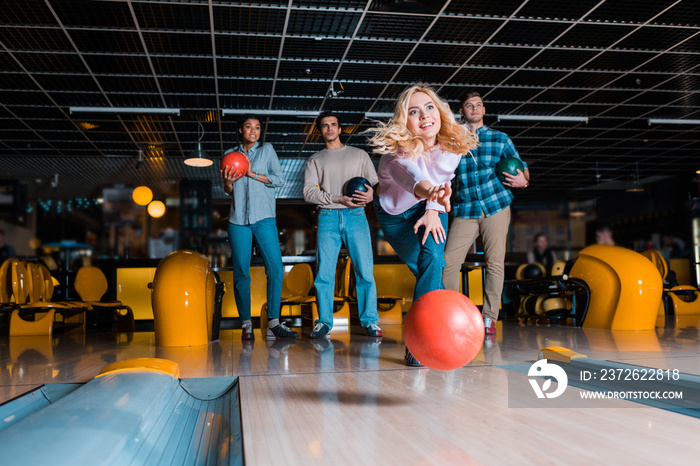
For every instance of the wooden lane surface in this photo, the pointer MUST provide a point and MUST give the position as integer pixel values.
(350, 399)
(428, 417)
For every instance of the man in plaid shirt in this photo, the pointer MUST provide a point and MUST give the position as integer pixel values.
(482, 206)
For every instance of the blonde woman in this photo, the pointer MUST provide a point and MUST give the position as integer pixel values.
(421, 147)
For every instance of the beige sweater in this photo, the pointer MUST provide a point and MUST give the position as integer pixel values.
(327, 172)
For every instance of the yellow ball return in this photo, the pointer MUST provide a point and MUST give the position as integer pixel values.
(186, 297)
(607, 287)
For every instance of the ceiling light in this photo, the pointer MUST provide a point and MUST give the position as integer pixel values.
(635, 187)
(199, 158)
(379, 115)
(662, 121)
(372, 115)
(577, 212)
(291, 113)
(161, 111)
(573, 119)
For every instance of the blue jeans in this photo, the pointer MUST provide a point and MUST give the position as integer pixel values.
(349, 226)
(425, 261)
(241, 239)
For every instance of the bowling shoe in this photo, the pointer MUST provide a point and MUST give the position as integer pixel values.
(247, 332)
(373, 330)
(410, 360)
(280, 331)
(489, 326)
(321, 330)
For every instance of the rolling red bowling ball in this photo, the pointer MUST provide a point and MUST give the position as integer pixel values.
(236, 160)
(444, 330)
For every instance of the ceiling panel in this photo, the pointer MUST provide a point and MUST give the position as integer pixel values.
(618, 65)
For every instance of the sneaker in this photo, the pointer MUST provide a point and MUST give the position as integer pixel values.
(489, 326)
(320, 331)
(247, 332)
(410, 360)
(280, 331)
(373, 330)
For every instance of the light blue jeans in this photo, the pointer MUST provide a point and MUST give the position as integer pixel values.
(425, 261)
(267, 238)
(349, 226)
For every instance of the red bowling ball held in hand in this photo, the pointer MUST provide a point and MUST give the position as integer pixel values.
(444, 330)
(237, 161)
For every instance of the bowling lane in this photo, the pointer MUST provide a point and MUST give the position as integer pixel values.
(423, 416)
(351, 398)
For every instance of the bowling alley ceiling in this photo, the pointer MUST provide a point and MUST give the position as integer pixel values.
(97, 93)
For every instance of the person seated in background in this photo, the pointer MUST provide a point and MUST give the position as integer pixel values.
(604, 235)
(673, 247)
(6, 251)
(541, 252)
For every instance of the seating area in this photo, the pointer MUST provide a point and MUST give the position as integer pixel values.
(299, 298)
(27, 306)
(388, 305)
(91, 285)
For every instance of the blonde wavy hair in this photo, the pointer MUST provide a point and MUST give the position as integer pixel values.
(395, 138)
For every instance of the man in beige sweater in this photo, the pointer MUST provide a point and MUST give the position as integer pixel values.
(341, 219)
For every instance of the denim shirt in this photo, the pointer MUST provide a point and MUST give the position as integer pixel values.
(253, 200)
(476, 186)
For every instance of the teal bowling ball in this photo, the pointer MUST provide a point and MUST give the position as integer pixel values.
(510, 165)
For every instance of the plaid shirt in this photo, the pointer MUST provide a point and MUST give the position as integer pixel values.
(475, 184)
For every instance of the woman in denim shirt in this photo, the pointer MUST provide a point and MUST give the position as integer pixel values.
(253, 217)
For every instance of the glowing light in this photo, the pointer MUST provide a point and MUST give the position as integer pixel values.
(142, 195)
(156, 209)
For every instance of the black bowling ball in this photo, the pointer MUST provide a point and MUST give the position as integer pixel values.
(355, 184)
(532, 271)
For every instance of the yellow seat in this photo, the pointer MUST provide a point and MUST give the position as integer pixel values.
(7, 303)
(91, 285)
(296, 289)
(34, 313)
(6, 283)
(41, 285)
(389, 306)
(19, 280)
